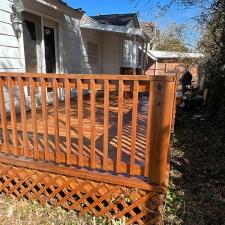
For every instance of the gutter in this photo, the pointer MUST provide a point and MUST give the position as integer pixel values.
(114, 28)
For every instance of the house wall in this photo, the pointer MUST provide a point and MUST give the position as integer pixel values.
(71, 48)
(112, 53)
(95, 37)
(174, 66)
(10, 55)
(9, 44)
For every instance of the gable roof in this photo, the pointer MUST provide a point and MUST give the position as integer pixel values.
(117, 19)
(65, 4)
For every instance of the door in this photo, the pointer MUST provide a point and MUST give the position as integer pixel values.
(50, 31)
(32, 42)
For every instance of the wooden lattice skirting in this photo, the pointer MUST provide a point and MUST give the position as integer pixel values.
(83, 195)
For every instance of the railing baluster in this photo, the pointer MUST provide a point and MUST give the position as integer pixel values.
(56, 120)
(134, 127)
(80, 121)
(3, 116)
(120, 126)
(13, 116)
(68, 121)
(148, 133)
(106, 125)
(45, 118)
(23, 115)
(93, 115)
(34, 118)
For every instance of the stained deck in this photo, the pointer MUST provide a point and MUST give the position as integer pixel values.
(142, 118)
(103, 153)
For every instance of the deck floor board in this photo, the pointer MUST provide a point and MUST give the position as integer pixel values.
(113, 118)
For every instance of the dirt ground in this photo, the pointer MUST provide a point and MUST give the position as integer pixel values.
(197, 184)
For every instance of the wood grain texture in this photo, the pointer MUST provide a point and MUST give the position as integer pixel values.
(34, 118)
(45, 118)
(23, 115)
(102, 129)
(74, 193)
(106, 125)
(134, 127)
(13, 115)
(80, 121)
(56, 120)
(93, 121)
(3, 116)
(68, 120)
(162, 116)
(119, 126)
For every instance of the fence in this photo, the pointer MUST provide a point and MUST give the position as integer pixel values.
(101, 123)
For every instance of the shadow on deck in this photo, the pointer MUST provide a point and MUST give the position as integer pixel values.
(142, 118)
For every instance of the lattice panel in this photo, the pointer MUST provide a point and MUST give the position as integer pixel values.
(84, 196)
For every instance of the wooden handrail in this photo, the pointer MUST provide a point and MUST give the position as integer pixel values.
(165, 78)
(104, 131)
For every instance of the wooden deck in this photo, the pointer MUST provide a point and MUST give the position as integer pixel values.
(98, 144)
(142, 118)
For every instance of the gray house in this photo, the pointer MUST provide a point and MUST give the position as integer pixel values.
(48, 36)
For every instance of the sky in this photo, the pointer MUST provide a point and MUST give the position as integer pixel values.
(145, 12)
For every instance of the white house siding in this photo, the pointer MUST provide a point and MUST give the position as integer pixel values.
(70, 42)
(112, 57)
(10, 60)
(95, 37)
(9, 45)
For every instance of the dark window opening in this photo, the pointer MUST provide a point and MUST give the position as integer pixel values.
(49, 38)
(31, 29)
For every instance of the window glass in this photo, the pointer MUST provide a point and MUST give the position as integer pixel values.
(92, 53)
(130, 54)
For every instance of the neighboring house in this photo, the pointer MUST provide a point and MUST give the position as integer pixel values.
(161, 62)
(121, 39)
(48, 36)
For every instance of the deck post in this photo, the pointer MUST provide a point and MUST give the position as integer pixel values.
(162, 117)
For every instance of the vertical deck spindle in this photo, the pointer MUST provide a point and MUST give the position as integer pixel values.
(68, 121)
(56, 120)
(23, 115)
(106, 125)
(120, 126)
(13, 115)
(34, 118)
(149, 124)
(45, 119)
(134, 127)
(3, 116)
(93, 120)
(80, 121)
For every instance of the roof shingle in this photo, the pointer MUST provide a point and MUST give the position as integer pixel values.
(116, 19)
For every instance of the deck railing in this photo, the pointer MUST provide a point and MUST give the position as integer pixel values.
(112, 123)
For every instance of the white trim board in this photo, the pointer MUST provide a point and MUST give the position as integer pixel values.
(113, 28)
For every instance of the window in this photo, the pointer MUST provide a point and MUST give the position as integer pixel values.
(130, 54)
(92, 53)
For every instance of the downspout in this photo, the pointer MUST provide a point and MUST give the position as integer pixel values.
(142, 57)
(134, 67)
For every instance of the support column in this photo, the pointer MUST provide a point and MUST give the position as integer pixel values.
(162, 97)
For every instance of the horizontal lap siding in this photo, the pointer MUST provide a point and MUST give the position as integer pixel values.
(96, 37)
(9, 46)
(111, 53)
(9, 49)
(5, 5)
(71, 45)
